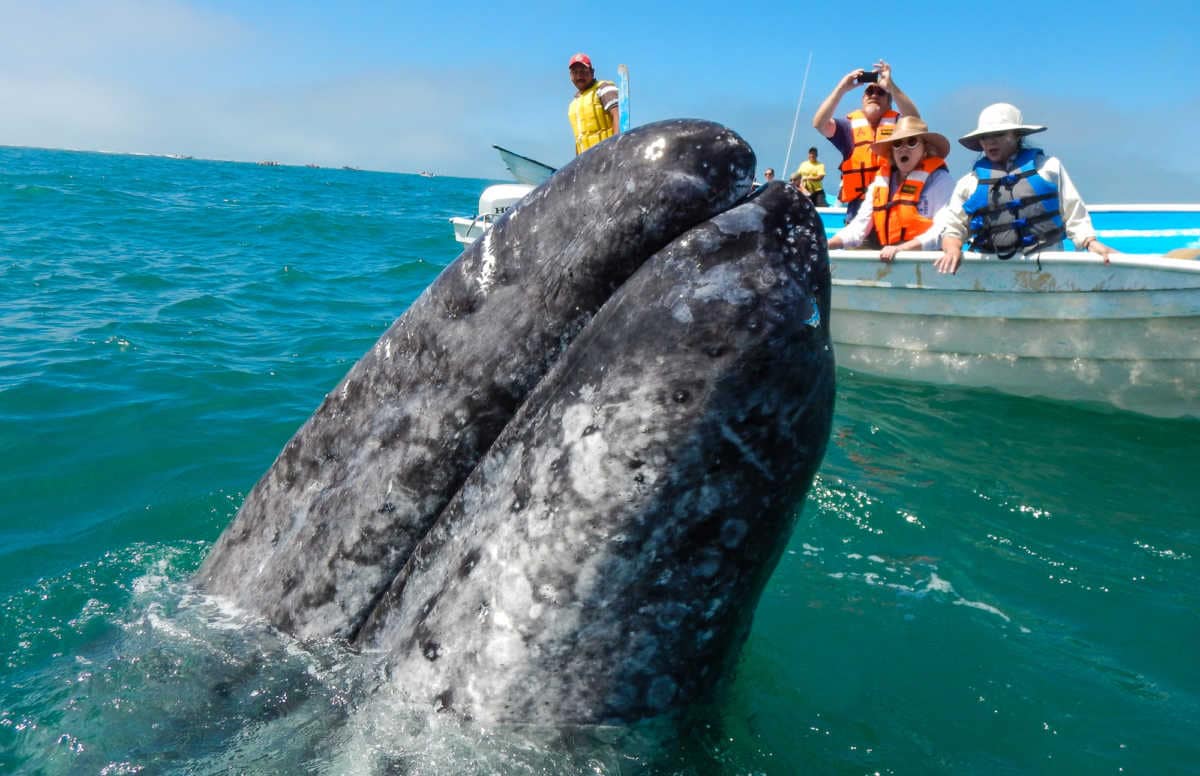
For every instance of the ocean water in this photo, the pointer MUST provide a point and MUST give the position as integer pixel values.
(976, 584)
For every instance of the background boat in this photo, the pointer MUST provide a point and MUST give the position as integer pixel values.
(498, 198)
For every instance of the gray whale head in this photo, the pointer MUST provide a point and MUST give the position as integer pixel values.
(555, 488)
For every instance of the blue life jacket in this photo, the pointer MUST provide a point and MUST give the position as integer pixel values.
(1015, 210)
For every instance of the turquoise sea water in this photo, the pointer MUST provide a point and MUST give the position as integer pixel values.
(977, 583)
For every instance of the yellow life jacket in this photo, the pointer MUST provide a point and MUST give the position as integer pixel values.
(859, 168)
(588, 117)
(895, 214)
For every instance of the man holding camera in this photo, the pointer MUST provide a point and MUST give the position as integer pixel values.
(854, 134)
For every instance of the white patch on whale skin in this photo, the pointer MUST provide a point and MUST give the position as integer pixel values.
(740, 220)
(588, 452)
(511, 605)
(487, 265)
(655, 150)
(723, 282)
(504, 649)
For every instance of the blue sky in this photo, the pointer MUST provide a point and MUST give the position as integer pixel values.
(407, 86)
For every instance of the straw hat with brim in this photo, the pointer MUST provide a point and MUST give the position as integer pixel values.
(1000, 117)
(912, 126)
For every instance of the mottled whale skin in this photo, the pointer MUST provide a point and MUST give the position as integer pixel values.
(603, 560)
(324, 532)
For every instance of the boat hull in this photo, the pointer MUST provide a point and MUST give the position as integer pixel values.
(468, 230)
(1066, 327)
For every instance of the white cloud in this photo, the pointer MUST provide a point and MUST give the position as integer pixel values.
(102, 36)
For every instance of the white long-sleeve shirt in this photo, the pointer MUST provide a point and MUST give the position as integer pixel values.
(935, 194)
(954, 222)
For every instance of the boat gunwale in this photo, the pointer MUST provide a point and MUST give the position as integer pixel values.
(1155, 261)
(1131, 207)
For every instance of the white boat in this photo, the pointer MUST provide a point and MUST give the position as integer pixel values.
(1066, 326)
(497, 199)
(493, 203)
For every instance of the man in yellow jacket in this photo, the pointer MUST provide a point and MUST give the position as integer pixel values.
(593, 113)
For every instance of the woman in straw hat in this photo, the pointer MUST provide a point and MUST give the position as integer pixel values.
(910, 187)
(1016, 199)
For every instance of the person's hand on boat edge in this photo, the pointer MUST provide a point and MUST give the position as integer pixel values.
(1092, 245)
(951, 256)
(888, 252)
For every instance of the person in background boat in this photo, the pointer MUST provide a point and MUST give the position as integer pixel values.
(593, 111)
(912, 185)
(854, 134)
(811, 173)
(768, 175)
(1016, 199)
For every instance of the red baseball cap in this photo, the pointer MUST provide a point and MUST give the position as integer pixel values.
(580, 59)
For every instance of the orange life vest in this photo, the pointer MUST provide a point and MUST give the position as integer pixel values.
(895, 214)
(859, 168)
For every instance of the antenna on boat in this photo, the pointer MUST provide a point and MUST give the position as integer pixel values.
(796, 119)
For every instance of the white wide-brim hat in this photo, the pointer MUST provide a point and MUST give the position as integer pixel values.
(1000, 117)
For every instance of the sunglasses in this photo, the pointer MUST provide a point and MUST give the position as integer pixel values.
(873, 90)
(911, 142)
